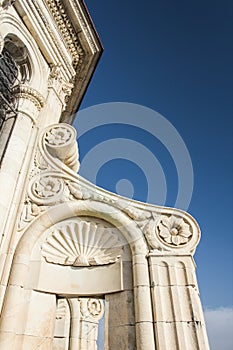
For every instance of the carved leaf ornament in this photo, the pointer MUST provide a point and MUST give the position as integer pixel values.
(81, 244)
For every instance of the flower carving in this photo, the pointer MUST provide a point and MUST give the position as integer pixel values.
(174, 231)
(47, 187)
(58, 136)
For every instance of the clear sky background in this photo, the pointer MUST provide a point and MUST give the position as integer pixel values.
(175, 57)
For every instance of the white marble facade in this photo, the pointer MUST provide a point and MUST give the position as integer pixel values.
(72, 253)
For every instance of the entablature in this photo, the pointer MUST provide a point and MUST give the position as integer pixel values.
(67, 39)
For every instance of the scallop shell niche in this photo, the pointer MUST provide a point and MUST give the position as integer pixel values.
(81, 244)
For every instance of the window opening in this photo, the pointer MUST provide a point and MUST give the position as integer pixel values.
(8, 79)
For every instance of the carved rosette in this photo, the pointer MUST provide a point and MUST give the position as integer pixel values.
(81, 244)
(174, 231)
(165, 230)
(169, 232)
(60, 141)
(91, 308)
(58, 136)
(46, 189)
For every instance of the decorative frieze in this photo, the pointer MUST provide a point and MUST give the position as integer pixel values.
(85, 26)
(66, 28)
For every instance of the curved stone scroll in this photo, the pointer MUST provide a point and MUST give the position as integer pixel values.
(60, 141)
(81, 244)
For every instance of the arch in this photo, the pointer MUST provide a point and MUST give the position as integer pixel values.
(12, 28)
(132, 234)
(20, 54)
(114, 216)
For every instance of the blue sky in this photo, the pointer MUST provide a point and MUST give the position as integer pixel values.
(175, 58)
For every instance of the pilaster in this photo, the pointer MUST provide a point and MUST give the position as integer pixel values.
(177, 311)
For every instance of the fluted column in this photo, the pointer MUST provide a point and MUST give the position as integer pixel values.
(178, 316)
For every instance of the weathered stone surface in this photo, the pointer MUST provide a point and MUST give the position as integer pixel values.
(73, 255)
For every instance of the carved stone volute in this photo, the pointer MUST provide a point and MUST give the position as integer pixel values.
(60, 141)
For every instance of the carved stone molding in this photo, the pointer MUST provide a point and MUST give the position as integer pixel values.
(47, 187)
(28, 93)
(58, 142)
(56, 81)
(65, 35)
(40, 164)
(51, 183)
(29, 212)
(91, 308)
(61, 309)
(85, 26)
(66, 28)
(81, 244)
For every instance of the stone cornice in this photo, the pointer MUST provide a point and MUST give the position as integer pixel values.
(85, 22)
(66, 36)
(66, 29)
